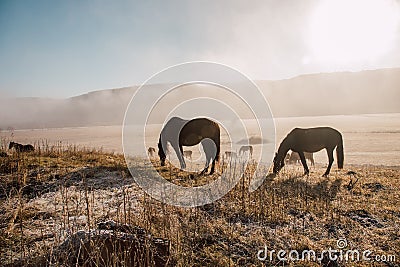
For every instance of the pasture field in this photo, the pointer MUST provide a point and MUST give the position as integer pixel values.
(77, 178)
(372, 139)
(52, 193)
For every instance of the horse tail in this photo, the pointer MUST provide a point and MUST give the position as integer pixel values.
(218, 143)
(339, 153)
(218, 150)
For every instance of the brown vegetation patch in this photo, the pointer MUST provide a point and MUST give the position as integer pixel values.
(48, 199)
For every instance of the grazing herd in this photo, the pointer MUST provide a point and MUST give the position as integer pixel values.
(302, 142)
(179, 132)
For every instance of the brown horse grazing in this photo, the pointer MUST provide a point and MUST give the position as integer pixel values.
(294, 157)
(179, 132)
(244, 149)
(21, 148)
(310, 140)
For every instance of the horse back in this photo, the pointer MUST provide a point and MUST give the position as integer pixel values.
(27, 148)
(203, 127)
(315, 133)
(313, 139)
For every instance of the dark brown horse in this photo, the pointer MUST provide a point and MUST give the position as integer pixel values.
(310, 140)
(179, 132)
(21, 148)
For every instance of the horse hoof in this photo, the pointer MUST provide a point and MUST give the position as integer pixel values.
(325, 175)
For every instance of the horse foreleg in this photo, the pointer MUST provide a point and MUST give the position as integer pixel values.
(330, 157)
(304, 162)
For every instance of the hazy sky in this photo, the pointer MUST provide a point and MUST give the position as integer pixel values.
(65, 48)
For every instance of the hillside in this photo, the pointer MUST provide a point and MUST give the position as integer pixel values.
(104, 107)
(341, 93)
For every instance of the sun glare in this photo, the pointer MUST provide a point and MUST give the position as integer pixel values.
(346, 31)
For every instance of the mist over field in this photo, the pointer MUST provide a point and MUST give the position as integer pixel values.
(342, 93)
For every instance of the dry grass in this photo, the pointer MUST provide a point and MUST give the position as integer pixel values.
(58, 190)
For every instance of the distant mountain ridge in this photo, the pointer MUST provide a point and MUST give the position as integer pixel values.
(340, 93)
(106, 107)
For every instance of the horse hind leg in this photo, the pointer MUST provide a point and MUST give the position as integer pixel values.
(209, 157)
(211, 152)
(330, 157)
(214, 159)
(212, 166)
(204, 171)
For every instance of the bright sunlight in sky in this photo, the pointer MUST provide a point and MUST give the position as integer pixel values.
(349, 31)
(66, 48)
